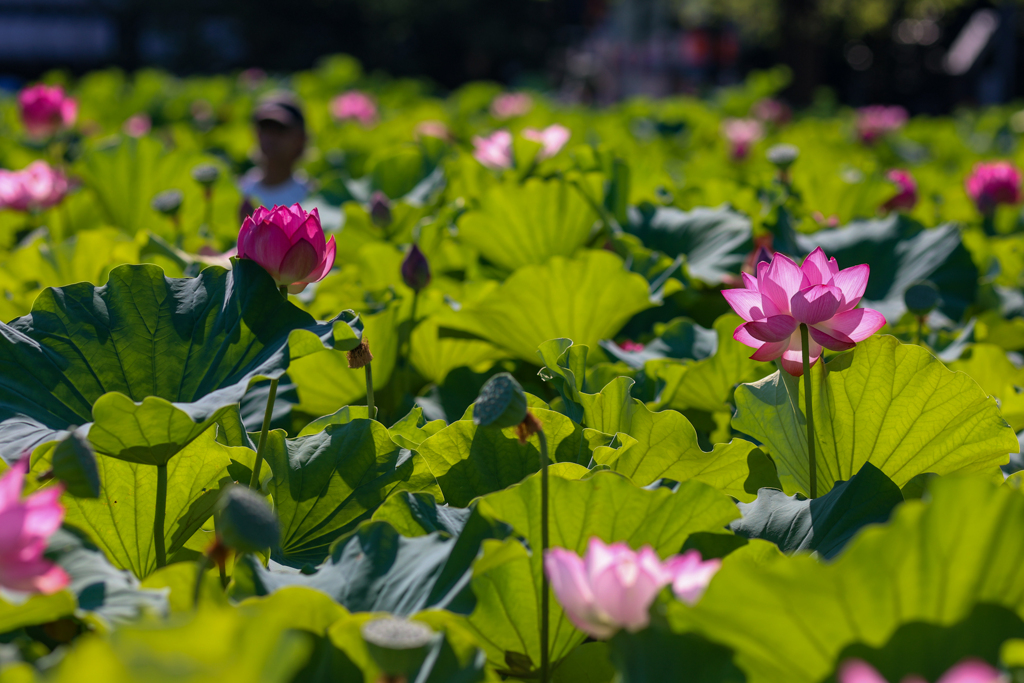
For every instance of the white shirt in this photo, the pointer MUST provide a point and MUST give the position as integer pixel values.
(287, 193)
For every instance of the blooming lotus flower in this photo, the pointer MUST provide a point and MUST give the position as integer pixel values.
(817, 294)
(46, 109)
(552, 139)
(494, 151)
(354, 105)
(289, 243)
(906, 197)
(992, 183)
(34, 188)
(631, 346)
(25, 527)
(511, 104)
(137, 125)
(613, 586)
(875, 121)
(741, 135)
(967, 671)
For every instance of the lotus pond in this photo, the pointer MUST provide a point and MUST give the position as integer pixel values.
(687, 389)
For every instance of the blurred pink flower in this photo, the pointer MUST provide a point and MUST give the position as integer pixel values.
(433, 129)
(252, 78)
(137, 125)
(992, 183)
(495, 150)
(631, 346)
(46, 109)
(818, 294)
(770, 110)
(875, 121)
(552, 139)
(967, 671)
(25, 527)
(512, 104)
(290, 245)
(741, 135)
(34, 188)
(906, 197)
(354, 105)
(613, 586)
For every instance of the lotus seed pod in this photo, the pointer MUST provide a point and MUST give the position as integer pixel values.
(380, 209)
(74, 464)
(783, 155)
(360, 356)
(922, 298)
(205, 174)
(246, 523)
(397, 646)
(168, 202)
(501, 403)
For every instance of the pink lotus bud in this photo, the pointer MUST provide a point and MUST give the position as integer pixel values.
(27, 526)
(510, 105)
(46, 109)
(906, 197)
(34, 188)
(967, 671)
(552, 139)
(784, 295)
(771, 111)
(992, 183)
(380, 209)
(877, 120)
(415, 269)
(494, 151)
(354, 105)
(741, 135)
(289, 243)
(137, 125)
(433, 129)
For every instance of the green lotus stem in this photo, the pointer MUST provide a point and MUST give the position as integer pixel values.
(268, 414)
(920, 329)
(371, 411)
(988, 223)
(284, 291)
(544, 590)
(201, 564)
(179, 236)
(812, 469)
(161, 513)
(208, 212)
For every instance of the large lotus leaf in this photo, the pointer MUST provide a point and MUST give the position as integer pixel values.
(120, 521)
(679, 339)
(901, 252)
(35, 610)
(325, 484)
(414, 429)
(435, 355)
(418, 514)
(525, 224)
(789, 618)
(891, 404)
(587, 298)
(605, 505)
(714, 241)
(151, 361)
(469, 461)
(990, 367)
(823, 525)
(644, 657)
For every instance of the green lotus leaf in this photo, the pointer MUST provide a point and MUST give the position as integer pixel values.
(990, 367)
(418, 514)
(35, 610)
(679, 339)
(151, 361)
(891, 404)
(526, 224)
(414, 429)
(644, 657)
(325, 484)
(789, 618)
(557, 299)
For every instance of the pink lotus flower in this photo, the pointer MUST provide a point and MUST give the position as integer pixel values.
(34, 188)
(137, 125)
(495, 150)
(877, 120)
(771, 111)
(511, 104)
(906, 198)
(784, 295)
(613, 586)
(354, 105)
(992, 183)
(967, 671)
(46, 109)
(631, 346)
(433, 129)
(289, 243)
(25, 527)
(552, 139)
(741, 135)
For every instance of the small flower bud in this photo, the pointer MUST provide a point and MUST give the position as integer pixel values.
(168, 202)
(922, 298)
(501, 403)
(415, 269)
(783, 155)
(246, 523)
(380, 209)
(360, 356)
(205, 174)
(74, 464)
(398, 646)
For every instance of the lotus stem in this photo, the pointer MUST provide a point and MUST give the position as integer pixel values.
(812, 469)
(201, 564)
(268, 415)
(920, 329)
(208, 209)
(371, 411)
(544, 655)
(284, 291)
(161, 513)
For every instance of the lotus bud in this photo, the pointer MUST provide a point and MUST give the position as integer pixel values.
(74, 464)
(168, 202)
(398, 646)
(922, 298)
(246, 523)
(501, 403)
(206, 174)
(415, 269)
(46, 109)
(783, 155)
(380, 209)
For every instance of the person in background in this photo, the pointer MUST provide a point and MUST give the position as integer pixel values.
(281, 130)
